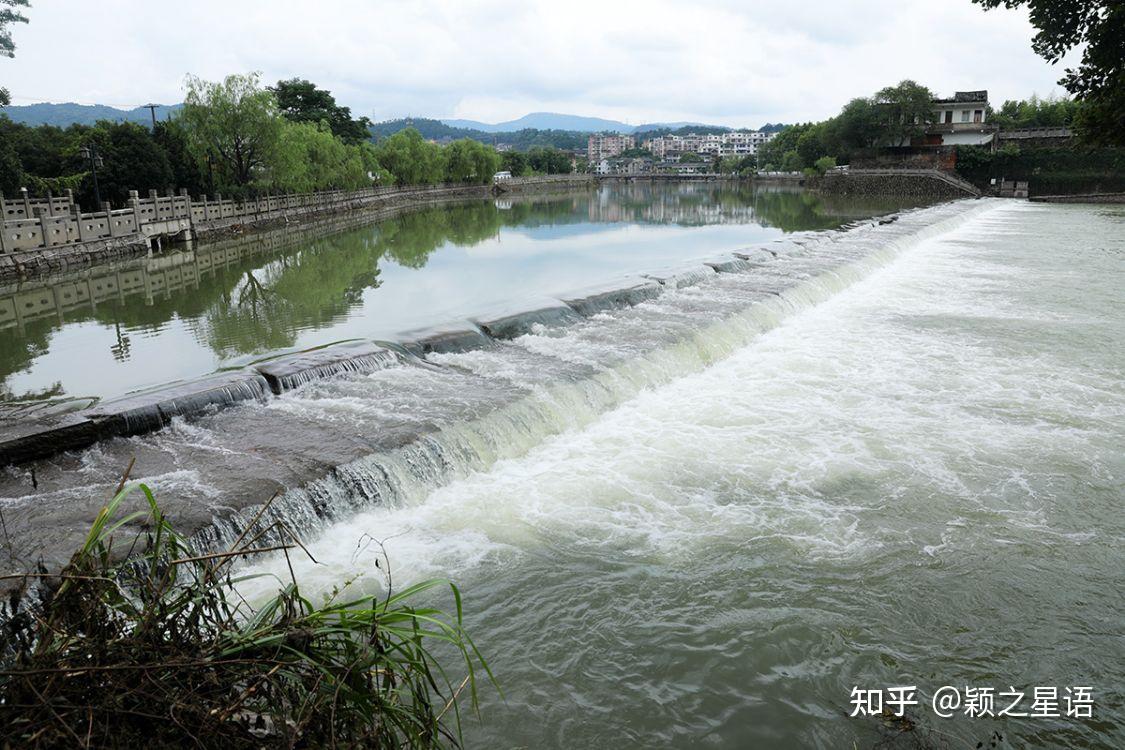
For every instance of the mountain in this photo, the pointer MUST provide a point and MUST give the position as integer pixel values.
(545, 121)
(82, 114)
(556, 121)
(521, 140)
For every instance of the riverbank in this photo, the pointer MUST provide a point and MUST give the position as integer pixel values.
(232, 219)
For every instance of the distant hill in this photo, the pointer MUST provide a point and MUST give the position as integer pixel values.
(573, 123)
(63, 115)
(438, 130)
(545, 121)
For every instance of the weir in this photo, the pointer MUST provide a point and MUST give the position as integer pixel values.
(342, 427)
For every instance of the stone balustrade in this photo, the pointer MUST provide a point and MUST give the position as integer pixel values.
(30, 224)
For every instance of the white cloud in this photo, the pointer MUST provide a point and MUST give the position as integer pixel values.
(720, 61)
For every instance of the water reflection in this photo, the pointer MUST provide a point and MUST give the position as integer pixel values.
(111, 329)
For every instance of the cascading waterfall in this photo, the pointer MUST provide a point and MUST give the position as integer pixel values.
(760, 295)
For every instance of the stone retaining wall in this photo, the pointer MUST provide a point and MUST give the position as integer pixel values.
(910, 185)
(32, 263)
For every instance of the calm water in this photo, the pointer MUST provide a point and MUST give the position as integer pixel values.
(105, 332)
(891, 456)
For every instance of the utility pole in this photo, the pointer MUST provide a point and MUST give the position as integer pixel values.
(152, 110)
(91, 152)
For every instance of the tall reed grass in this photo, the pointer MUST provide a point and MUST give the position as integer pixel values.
(151, 645)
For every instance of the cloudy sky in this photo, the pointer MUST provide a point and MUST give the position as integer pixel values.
(730, 62)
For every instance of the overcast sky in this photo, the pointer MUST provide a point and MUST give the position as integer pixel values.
(716, 61)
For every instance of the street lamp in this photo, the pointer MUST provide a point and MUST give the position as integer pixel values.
(91, 153)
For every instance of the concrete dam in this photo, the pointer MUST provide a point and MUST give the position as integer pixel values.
(339, 428)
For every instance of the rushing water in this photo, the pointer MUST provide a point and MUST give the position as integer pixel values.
(917, 481)
(110, 330)
(891, 456)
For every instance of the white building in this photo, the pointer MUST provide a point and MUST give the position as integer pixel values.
(605, 145)
(731, 143)
(961, 120)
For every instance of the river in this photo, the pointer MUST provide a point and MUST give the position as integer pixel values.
(704, 520)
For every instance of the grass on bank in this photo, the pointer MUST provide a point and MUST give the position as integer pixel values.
(159, 650)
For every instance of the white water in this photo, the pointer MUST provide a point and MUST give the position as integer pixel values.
(912, 474)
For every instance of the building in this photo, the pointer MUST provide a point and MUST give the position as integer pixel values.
(606, 145)
(630, 166)
(960, 120)
(965, 107)
(681, 167)
(732, 143)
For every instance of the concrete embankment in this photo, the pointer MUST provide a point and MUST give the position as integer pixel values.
(923, 184)
(43, 261)
(45, 432)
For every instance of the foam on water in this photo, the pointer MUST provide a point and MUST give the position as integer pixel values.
(401, 485)
(905, 467)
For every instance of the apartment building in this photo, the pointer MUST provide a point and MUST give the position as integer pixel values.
(733, 143)
(606, 145)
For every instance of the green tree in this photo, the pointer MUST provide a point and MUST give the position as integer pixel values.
(301, 101)
(856, 127)
(514, 162)
(811, 144)
(460, 162)
(7, 18)
(1035, 113)
(11, 171)
(309, 157)
(235, 123)
(1099, 80)
(904, 111)
(548, 160)
(791, 161)
(172, 138)
(772, 153)
(410, 159)
(823, 164)
(131, 160)
(690, 157)
(486, 162)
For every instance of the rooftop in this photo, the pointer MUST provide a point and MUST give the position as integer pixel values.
(964, 97)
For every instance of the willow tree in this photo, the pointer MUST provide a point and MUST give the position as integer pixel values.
(233, 126)
(411, 159)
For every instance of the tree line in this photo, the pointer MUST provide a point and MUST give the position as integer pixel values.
(891, 117)
(240, 138)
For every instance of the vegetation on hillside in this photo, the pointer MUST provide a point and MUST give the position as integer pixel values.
(160, 650)
(890, 117)
(521, 140)
(1034, 113)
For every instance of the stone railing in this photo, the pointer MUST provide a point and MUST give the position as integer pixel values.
(38, 224)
